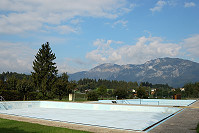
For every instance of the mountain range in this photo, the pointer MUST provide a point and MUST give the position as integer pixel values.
(173, 71)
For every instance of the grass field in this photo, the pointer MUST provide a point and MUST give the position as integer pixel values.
(11, 126)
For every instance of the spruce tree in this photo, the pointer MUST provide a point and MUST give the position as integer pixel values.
(61, 87)
(45, 71)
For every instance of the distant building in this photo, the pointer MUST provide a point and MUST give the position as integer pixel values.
(153, 91)
(182, 89)
(173, 89)
(177, 96)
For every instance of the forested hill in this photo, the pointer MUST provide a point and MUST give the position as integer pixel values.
(174, 71)
(6, 75)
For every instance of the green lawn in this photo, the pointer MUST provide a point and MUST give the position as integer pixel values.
(197, 128)
(11, 126)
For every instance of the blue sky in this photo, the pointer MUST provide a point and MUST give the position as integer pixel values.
(86, 33)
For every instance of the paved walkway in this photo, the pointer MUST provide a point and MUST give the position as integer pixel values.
(183, 122)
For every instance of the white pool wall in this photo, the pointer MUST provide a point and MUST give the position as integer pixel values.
(167, 102)
(19, 105)
(2, 107)
(84, 106)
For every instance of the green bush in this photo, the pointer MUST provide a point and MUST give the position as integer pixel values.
(41, 96)
(11, 95)
(80, 97)
(92, 96)
(141, 92)
(197, 130)
(32, 95)
(121, 93)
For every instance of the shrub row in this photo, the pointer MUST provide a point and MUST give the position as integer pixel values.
(14, 95)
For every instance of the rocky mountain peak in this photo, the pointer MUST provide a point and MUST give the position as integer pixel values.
(174, 71)
(107, 67)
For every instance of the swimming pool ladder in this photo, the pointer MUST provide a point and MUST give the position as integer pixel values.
(121, 101)
(3, 102)
(125, 102)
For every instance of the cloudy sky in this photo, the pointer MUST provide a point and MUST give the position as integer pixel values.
(85, 33)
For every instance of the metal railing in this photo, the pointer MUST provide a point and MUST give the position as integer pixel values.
(139, 101)
(1, 98)
(125, 102)
(3, 102)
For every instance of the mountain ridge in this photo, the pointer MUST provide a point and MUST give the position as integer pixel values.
(174, 71)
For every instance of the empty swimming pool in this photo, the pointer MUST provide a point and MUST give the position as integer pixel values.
(124, 117)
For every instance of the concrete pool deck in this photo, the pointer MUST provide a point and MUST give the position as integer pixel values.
(183, 122)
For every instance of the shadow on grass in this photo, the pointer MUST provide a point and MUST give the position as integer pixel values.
(13, 130)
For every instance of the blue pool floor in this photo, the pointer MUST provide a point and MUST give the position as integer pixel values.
(127, 120)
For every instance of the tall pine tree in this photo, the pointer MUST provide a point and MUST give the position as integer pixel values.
(45, 71)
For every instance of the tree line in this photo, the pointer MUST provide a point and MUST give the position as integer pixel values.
(100, 89)
(14, 86)
(45, 83)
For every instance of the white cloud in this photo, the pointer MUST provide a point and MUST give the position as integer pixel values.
(33, 15)
(191, 45)
(104, 52)
(18, 23)
(62, 29)
(159, 5)
(189, 4)
(63, 66)
(144, 50)
(172, 2)
(72, 65)
(16, 57)
(75, 21)
(123, 23)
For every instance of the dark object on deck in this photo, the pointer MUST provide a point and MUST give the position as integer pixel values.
(114, 101)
